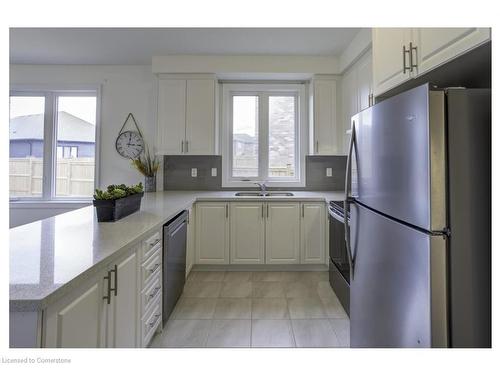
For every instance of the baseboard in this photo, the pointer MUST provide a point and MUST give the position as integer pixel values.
(259, 267)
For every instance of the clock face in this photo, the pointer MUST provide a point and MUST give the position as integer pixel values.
(129, 144)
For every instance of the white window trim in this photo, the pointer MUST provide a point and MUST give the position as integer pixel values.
(50, 133)
(299, 90)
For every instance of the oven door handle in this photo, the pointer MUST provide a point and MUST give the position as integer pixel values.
(335, 215)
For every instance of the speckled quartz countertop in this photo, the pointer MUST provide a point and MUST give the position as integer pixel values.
(51, 256)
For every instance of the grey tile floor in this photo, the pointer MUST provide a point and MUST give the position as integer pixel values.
(256, 309)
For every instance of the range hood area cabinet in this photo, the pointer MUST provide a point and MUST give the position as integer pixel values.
(186, 114)
(401, 54)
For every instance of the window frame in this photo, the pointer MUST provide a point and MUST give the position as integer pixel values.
(51, 95)
(263, 91)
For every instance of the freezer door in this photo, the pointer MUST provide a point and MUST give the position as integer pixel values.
(398, 289)
(398, 161)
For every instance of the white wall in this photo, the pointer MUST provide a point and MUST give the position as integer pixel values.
(125, 88)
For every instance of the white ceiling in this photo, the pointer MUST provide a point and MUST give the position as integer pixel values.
(137, 46)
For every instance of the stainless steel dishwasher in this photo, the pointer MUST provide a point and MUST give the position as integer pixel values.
(174, 261)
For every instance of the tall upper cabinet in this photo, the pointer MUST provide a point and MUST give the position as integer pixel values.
(323, 111)
(400, 54)
(357, 94)
(186, 115)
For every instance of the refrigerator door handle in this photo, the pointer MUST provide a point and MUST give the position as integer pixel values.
(349, 199)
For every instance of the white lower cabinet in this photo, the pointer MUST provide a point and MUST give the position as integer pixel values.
(190, 246)
(247, 226)
(313, 233)
(112, 308)
(282, 233)
(122, 311)
(77, 319)
(260, 232)
(212, 233)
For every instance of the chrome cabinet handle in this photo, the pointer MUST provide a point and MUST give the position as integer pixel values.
(227, 210)
(267, 209)
(152, 270)
(187, 146)
(412, 65)
(405, 51)
(157, 316)
(302, 209)
(115, 271)
(317, 146)
(182, 147)
(108, 297)
(348, 199)
(262, 210)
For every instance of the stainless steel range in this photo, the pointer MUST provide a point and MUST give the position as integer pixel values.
(339, 261)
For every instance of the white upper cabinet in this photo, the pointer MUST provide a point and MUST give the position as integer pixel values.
(357, 94)
(282, 233)
(200, 117)
(212, 233)
(171, 116)
(186, 116)
(391, 59)
(364, 82)
(247, 226)
(400, 54)
(324, 117)
(436, 46)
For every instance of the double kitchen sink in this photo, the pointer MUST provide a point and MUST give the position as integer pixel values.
(259, 194)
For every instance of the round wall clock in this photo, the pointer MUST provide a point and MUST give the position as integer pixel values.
(129, 144)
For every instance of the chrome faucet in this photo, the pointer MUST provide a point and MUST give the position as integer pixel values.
(262, 186)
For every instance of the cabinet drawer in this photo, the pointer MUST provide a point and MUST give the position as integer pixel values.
(151, 292)
(151, 322)
(150, 245)
(149, 267)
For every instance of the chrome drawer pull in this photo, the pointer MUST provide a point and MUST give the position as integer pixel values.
(157, 316)
(151, 245)
(152, 270)
(155, 292)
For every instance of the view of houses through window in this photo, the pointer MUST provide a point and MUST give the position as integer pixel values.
(74, 126)
(277, 150)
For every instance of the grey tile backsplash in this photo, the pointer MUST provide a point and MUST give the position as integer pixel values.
(177, 172)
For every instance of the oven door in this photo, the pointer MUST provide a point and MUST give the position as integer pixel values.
(337, 246)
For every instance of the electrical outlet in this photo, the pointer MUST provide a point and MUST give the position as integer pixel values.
(194, 172)
(214, 172)
(328, 172)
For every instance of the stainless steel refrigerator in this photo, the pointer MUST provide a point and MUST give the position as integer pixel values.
(418, 188)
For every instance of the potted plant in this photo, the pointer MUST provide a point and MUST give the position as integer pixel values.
(148, 166)
(117, 201)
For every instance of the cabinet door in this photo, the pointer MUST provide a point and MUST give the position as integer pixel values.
(325, 112)
(312, 233)
(200, 117)
(247, 233)
(388, 57)
(436, 46)
(123, 314)
(364, 80)
(212, 233)
(77, 319)
(171, 116)
(350, 105)
(190, 246)
(282, 233)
